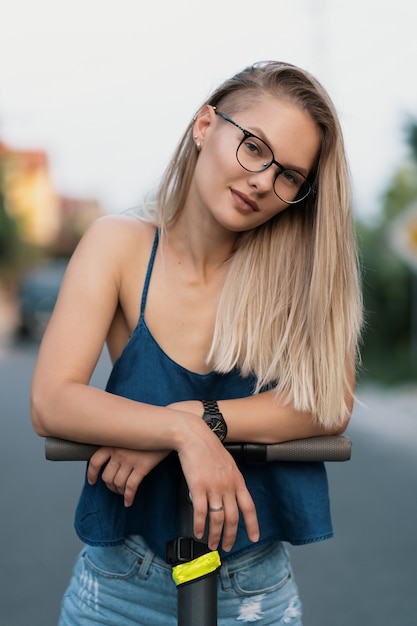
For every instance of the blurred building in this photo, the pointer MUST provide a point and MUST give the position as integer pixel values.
(75, 215)
(44, 218)
(29, 195)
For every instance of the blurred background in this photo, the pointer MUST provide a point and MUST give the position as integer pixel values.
(93, 98)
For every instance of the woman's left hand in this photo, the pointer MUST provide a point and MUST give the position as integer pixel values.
(125, 469)
(216, 485)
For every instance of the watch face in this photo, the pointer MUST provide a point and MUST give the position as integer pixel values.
(217, 425)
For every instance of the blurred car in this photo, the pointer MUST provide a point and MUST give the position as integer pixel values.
(38, 292)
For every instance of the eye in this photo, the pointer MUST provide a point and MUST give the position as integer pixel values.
(292, 178)
(252, 147)
(257, 150)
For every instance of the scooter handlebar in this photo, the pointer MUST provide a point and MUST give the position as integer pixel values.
(323, 448)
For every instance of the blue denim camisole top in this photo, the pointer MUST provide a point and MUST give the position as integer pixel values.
(291, 498)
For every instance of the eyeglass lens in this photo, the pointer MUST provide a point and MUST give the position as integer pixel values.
(255, 155)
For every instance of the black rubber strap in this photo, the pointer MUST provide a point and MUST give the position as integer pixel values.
(184, 549)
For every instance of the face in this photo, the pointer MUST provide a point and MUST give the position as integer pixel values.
(237, 199)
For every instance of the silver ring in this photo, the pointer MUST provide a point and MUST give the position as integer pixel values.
(215, 509)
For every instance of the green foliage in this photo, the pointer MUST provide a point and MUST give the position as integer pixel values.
(411, 137)
(388, 352)
(387, 288)
(401, 193)
(14, 253)
(9, 237)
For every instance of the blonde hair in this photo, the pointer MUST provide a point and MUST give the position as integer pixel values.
(290, 311)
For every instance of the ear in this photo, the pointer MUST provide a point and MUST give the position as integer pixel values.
(203, 121)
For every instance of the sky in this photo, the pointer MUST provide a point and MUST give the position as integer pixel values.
(106, 88)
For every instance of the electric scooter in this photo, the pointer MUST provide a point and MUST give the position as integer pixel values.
(194, 565)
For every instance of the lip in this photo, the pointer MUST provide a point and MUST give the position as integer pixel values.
(244, 202)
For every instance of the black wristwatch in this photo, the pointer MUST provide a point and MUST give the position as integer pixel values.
(214, 419)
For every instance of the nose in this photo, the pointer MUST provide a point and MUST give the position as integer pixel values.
(263, 181)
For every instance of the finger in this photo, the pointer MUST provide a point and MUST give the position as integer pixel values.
(109, 473)
(230, 523)
(216, 514)
(121, 477)
(96, 462)
(131, 488)
(249, 514)
(200, 514)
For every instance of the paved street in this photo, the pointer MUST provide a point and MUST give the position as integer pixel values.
(365, 576)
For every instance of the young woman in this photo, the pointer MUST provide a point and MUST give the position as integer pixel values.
(237, 295)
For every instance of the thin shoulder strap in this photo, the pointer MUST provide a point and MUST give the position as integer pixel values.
(148, 273)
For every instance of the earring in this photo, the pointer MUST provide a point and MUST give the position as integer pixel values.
(197, 143)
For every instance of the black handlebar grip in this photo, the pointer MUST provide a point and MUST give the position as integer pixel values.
(323, 448)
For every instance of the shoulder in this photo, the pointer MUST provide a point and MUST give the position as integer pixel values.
(107, 252)
(119, 230)
(116, 238)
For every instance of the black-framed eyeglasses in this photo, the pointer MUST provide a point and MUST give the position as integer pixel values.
(254, 155)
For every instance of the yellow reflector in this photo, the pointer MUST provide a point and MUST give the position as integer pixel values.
(201, 566)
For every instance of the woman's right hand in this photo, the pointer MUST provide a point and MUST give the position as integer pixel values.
(124, 469)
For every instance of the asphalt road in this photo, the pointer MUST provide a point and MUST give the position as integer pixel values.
(365, 576)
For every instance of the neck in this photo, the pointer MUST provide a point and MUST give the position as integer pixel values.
(204, 248)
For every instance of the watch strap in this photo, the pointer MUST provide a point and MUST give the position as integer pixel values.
(214, 418)
(211, 407)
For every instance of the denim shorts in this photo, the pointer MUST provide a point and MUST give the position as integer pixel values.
(127, 585)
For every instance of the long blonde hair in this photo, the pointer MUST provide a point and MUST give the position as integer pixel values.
(290, 311)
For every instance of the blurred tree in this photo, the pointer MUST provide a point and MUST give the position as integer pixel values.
(401, 193)
(9, 236)
(388, 282)
(411, 137)
(15, 254)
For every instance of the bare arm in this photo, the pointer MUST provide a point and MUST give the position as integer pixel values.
(63, 404)
(262, 418)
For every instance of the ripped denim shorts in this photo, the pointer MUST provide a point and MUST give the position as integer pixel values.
(127, 585)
